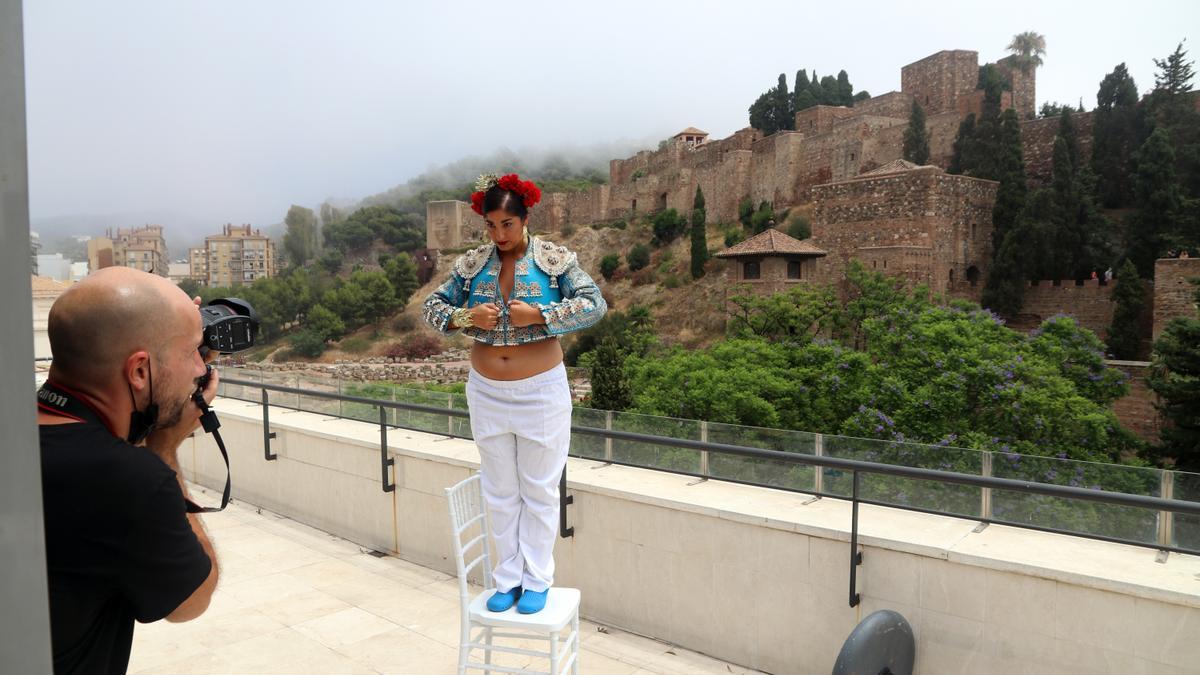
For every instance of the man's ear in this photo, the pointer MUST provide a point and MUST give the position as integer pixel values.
(137, 370)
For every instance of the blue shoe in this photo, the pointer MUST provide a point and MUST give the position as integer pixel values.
(501, 601)
(532, 602)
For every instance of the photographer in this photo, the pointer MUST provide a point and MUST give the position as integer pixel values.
(120, 544)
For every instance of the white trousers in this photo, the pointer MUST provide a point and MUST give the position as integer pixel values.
(523, 430)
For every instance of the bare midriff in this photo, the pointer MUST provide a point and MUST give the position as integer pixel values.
(515, 362)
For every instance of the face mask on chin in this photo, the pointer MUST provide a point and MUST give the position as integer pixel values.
(141, 422)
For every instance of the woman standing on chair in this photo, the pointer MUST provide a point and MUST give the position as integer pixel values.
(514, 296)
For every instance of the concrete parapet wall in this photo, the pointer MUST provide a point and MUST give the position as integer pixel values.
(750, 575)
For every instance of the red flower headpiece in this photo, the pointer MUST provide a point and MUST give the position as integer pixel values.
(527, 190)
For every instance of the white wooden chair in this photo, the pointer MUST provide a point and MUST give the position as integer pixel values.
(469, 520)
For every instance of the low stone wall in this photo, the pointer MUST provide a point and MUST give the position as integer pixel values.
(754, 576)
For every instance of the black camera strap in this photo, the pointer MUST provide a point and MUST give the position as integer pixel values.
(56, 399)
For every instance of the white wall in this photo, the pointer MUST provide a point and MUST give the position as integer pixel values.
(749, 575)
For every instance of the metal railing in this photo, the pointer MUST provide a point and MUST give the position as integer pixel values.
(1165, 506)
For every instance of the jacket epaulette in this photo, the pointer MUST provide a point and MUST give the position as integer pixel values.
(552, 259)
(470, 263)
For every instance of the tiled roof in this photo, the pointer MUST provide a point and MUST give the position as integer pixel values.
(771, 242)
(691, 131)
(49, 285)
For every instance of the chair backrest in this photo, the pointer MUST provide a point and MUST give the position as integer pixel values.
(469, 526)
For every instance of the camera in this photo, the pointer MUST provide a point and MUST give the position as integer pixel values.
(229, 326)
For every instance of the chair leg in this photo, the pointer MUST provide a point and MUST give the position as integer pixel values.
(487, 652)
(575, 647)
(554, 653)
(464, 652)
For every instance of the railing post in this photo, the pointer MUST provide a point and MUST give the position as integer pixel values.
(608, 441)
(856, 558)
(985, 494)
(563, 500)
(818, 470)
(384, 460)
(267, 433)
(450, 418)
(1166, 519)
(704, 453)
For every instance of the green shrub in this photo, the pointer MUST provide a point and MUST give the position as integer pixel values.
(608, 265)
(671, 281)
(416, 347)
(638, 257)
(668, 225)
(762, 218)
(798, 227)
(733, 237)
(404, 323)
(308, 343)
(355, 345)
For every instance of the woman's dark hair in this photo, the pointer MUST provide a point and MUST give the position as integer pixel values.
(497, 198)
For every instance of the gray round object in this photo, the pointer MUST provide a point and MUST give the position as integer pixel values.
(882, 644)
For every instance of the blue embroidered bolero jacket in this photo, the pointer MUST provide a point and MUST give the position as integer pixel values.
(547, 276)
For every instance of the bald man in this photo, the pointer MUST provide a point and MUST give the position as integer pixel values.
(120, 545)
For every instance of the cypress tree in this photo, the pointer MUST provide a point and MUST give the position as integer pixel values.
(1116, 127)
(1011, 195)
(610, 388)
(817, 91)
(829, 86)
(844, 90)
(1124, 338)
(785, 118)
(963, 153)
(1156, 189)
(699, 238)
(916, 136)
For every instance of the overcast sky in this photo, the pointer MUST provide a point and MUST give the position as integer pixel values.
(206, 112)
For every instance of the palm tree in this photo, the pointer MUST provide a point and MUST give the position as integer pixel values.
(1028, 48)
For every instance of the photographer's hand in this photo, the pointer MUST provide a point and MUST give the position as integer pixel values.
(164, 442)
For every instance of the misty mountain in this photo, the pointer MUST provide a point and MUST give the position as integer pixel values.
(556, 163)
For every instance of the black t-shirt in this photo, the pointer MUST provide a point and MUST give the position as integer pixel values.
(119, 545)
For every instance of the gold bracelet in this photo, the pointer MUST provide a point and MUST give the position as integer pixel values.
(463, 318)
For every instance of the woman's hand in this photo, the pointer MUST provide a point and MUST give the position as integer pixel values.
(485, 316)
(523, 314)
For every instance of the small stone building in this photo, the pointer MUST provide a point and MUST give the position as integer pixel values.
(918, 223)
(451, 224)
(771, 261)
(692, 137)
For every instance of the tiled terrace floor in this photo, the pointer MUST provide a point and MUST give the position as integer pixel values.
(293, 599)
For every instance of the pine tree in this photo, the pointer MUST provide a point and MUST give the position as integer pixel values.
(1156, 190)
(1124, 336)
(610, 388)
(1175, 377)
(699, 236)
(1116, 127)
(916, 136)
